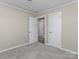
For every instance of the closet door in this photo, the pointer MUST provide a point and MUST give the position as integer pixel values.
(54, 29)
(33, 33)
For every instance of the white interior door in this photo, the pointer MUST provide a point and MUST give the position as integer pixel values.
(33, 33)
(54, 29)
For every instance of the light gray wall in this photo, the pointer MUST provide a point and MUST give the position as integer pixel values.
(13, 27)
(70, 27)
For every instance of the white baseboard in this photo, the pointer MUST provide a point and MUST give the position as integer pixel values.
(30, 43)
(73, 52)
(13, 47)
(20, 45)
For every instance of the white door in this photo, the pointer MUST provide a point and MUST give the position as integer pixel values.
(54, 29)
(33, 33)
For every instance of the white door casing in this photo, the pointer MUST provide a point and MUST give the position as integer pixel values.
(45, 27)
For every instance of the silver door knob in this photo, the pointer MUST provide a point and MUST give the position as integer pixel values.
(50, 32)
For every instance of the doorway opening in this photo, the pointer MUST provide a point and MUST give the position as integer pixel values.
(41, 30)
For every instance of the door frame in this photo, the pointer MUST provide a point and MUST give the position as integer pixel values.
(45, 28)
(28, 29)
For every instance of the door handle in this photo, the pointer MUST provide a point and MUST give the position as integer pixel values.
(50, 32)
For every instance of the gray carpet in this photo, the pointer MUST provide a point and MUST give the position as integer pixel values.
(37, 51)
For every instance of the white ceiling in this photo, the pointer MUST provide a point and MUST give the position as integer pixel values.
(36, 5)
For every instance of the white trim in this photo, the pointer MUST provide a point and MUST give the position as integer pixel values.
(13, 47)
(40, 12)
(45, 20)
(73, 52)
(28, 44)
(60, 27)
(48, 11)
(45, 28)
(9, 5)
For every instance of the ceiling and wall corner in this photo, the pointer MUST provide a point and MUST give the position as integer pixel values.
(31, 13)
(57, 9)
(37, 7)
